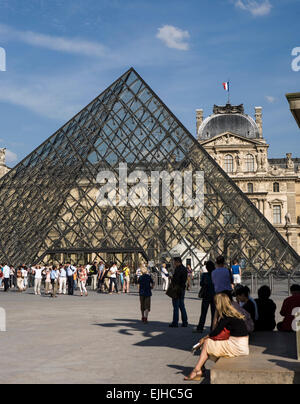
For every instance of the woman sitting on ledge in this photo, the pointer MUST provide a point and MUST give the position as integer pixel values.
(214, 344)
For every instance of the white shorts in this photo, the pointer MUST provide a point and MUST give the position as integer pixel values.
(237, 279)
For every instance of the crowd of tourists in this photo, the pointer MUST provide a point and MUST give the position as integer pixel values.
(66, 279)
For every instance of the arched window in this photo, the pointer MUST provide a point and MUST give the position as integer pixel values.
(276, 187)
(228, 163)
(250, 188)
(249, 163)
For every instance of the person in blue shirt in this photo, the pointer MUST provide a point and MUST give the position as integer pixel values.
(236, 272)
(54, 276)
(146, 284)
(222, 277)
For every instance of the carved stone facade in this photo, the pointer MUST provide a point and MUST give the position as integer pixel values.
(273, 185)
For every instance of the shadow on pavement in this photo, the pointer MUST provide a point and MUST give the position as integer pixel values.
(276, 343)
(184, 371)
(156, 333)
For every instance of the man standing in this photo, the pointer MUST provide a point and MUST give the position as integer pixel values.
(6, 276)
(70, 274)
(62, 280)
(222, 277)
(37, 271)
(179, 279)
(236, 272)
(25, 276)
(165, 276)
(54, 276)
(94, 273)
(113, 278)
(99, 276)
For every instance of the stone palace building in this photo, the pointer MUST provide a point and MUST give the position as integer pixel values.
(235, 140)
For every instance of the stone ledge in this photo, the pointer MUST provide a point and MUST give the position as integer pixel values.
(272, 360)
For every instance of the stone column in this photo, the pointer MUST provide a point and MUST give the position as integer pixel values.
(258, 120)
(199, 118)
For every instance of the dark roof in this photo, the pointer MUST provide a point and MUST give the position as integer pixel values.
(229, 118)
(281, 162)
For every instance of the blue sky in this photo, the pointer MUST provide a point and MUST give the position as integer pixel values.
(62, 53)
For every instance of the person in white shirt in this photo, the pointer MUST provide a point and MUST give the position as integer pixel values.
(6, 276)
(25, 277)
(62, 280)
(113, 278)
(37, 272)
(165, 276)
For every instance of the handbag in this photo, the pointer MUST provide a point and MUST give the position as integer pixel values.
(223, 336)
(173, 291)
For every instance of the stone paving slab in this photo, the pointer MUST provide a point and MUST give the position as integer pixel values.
(95, 339)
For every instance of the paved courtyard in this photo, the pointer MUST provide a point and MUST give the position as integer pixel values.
(96, 339)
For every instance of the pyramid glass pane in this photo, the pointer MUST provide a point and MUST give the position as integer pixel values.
(50, 201)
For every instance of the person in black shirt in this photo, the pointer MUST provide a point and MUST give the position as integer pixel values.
(179, 279)
(242, 296)
(146, 284)
(266, 310)
(208, 294)
(230, 320)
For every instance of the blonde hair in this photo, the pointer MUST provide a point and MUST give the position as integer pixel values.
(225, 308)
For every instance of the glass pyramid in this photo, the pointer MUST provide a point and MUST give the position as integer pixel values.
(51, 210)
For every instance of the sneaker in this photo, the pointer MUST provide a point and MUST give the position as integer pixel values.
(173, 325)
(197, 331)
(185, 325)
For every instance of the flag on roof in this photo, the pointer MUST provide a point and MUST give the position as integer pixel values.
(226, 86)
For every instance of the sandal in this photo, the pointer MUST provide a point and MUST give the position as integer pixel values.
(197, 376)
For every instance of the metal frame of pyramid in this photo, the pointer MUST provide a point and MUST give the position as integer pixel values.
(48, 201)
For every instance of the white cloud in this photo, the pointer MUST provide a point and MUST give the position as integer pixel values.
(52, 97)
(11, 157)
(173, 37)
(61, 44)
(270, 99)
(256, 8)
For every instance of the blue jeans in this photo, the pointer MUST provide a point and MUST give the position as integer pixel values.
(178, 304)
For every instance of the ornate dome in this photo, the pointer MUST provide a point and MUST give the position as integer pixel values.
(228, 119)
